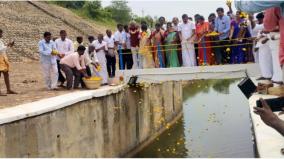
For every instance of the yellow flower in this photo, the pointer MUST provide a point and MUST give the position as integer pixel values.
(99, 68)
(228, 49)
(244, 49)
(54, 52)
(212, 34)
(243, 15)
(95, 78)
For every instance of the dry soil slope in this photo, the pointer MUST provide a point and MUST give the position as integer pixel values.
(26, 21)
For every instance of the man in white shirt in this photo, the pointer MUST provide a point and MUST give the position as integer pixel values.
(128, 54)
(79, 41)
(48, 57)
(162, 21)
(73, 65)
(255, 30)
(175, 23)
(265, 57)
(187, 35)
(91, 60)
(65, 47)
(4, 64)
(91, 39)
(124, 52)
(110, 56)
(101, 49)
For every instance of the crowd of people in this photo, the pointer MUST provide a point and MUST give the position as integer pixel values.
(270, 45)
(224, 39)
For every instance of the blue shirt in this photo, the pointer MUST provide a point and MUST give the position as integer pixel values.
(45, 50)
(254, 6)
(126, 38)
(223, 25)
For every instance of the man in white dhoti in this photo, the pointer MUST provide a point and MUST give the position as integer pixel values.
(274, 43)
(255, 30)
(265, 57)
(187, 35)
(101, 49)
(48, 61)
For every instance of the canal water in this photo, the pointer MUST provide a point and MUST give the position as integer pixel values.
(215, 123)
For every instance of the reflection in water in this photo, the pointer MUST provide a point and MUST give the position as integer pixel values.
(173, 144)
(215, 123)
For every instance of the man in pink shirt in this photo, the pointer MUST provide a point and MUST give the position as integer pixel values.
(272, 23)
(73, 65)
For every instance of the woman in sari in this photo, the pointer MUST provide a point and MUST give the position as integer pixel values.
(171, 46)
(239, 31)
(157, 40)
(144, 49)
(204, 50)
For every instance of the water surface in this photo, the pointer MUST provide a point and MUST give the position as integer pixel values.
(215, 123)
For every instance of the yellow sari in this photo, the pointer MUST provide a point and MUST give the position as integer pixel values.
(145, 51)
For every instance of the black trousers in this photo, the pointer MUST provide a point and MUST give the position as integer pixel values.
(111, 61)
(70, 74)
(127, 60)
(196, 53)
(61, 78)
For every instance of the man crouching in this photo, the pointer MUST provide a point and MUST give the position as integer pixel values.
(73, 65)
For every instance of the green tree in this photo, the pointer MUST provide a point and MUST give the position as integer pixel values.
(71, 4)
(120, 12)
(148, 19)
(93, 9)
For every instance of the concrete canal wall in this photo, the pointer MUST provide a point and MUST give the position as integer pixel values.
(109, 122)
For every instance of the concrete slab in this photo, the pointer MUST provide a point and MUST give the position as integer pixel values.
(157, 75)
(269, 142)
(50, 104)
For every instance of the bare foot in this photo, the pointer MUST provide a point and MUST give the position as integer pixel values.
(2, 95)
(11, 92)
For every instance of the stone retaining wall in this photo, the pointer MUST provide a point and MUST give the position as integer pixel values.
(25, 22)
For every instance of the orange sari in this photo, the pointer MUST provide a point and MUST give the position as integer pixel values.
(204, 50)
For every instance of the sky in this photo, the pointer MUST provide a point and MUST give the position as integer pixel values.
(171, 8)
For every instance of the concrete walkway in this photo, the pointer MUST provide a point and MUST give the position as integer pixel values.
(268, 141)
(23, 111)
(189, 73)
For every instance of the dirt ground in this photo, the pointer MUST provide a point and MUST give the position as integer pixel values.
(27, 80)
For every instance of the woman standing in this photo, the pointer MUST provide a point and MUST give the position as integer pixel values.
(171, 46)
(239, 32)
(204, 48)
(157, 39)
(144, 48)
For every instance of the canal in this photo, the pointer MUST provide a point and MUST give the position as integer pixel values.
(215, 123)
